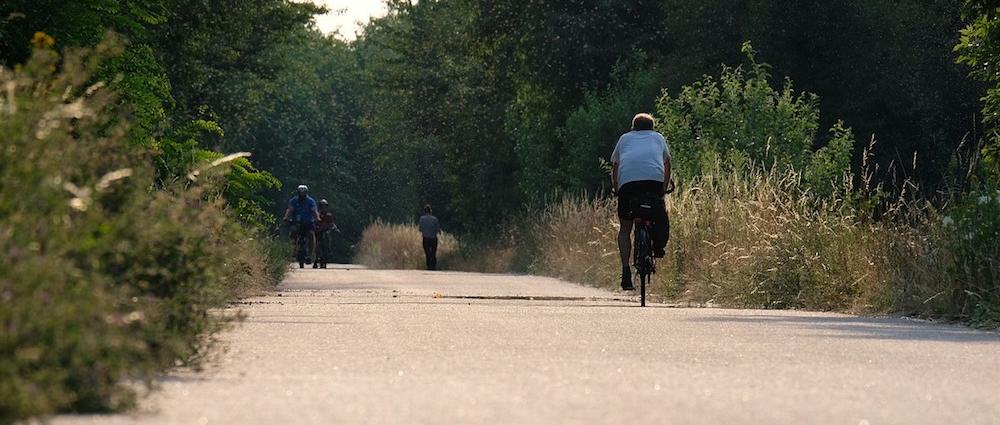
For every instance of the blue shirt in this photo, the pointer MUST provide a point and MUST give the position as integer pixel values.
(302, 210)
(641, 156)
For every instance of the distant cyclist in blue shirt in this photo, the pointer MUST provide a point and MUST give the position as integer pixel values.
(303, 212)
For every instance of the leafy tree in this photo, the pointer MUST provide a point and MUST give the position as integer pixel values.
(979, 48)
(143, 87)
(215, 54)
(885, 66)
(308, 131)
(591, 131)
(165, 45)
(436, 113)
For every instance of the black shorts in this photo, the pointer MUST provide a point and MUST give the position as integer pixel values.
(628, 197)
(305, 226)
(646, 189)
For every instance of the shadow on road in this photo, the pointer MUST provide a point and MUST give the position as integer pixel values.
(866, 328)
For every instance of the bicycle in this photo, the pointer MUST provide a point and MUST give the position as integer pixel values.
(324, 248)
(643, 211)
(301, 244)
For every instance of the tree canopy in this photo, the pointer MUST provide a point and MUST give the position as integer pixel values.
(485, 107)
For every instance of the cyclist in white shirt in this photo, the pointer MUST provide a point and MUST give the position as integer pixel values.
(640, 167)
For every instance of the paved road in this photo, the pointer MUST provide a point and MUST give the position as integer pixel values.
(393, 347)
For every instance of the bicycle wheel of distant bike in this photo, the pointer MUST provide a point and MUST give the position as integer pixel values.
(300, 252)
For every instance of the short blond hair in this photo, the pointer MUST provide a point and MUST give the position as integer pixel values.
(643, 121)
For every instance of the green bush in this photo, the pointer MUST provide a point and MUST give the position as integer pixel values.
(103, 278)
(978, 48)
(180, 152)
(974, 243)
(739, 118)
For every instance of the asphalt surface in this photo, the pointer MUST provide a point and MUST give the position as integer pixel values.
(352, 346)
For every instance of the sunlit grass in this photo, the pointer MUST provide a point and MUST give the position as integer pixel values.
(756, 239)
(399, 247)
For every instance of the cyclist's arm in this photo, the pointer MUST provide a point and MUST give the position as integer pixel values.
(316, 214)
(288, 214)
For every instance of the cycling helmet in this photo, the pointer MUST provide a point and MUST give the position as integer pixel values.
(302, 188)
(324, 203)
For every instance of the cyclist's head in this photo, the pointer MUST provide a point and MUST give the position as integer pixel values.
(302, 190)
(323, 203)
(427, 208)
(643, 121)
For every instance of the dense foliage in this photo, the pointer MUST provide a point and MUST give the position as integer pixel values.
(491, 108)
(123, 222)
(979, 47)
(485, 109)
(102, 278)
(722, 126)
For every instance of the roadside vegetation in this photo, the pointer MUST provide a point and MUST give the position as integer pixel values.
(108, 275)
(130, 210)
(399, 247)
(134, 202)
(763, 219)
(849, 189)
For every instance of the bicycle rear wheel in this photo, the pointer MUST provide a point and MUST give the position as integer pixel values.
(643, 259)
(300, 254)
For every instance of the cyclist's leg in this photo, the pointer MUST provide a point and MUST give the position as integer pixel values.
(625, 249)
(321, 245)
(625, 241)
(625, 225)
(293, 237)
(325, 247)
(312, 241)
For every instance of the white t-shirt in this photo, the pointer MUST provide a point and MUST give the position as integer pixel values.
(640, 156)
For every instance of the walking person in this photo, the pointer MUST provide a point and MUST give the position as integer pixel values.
(429, 229)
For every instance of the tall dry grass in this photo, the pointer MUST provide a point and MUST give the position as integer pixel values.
(761, 240)
(399, 247)
(757, 239)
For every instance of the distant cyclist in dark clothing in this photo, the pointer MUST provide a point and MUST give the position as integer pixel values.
(302, 208)
(640, 165)
(324, 235)
(429, 229)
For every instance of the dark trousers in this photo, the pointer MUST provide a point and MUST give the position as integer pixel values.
(430, 251)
